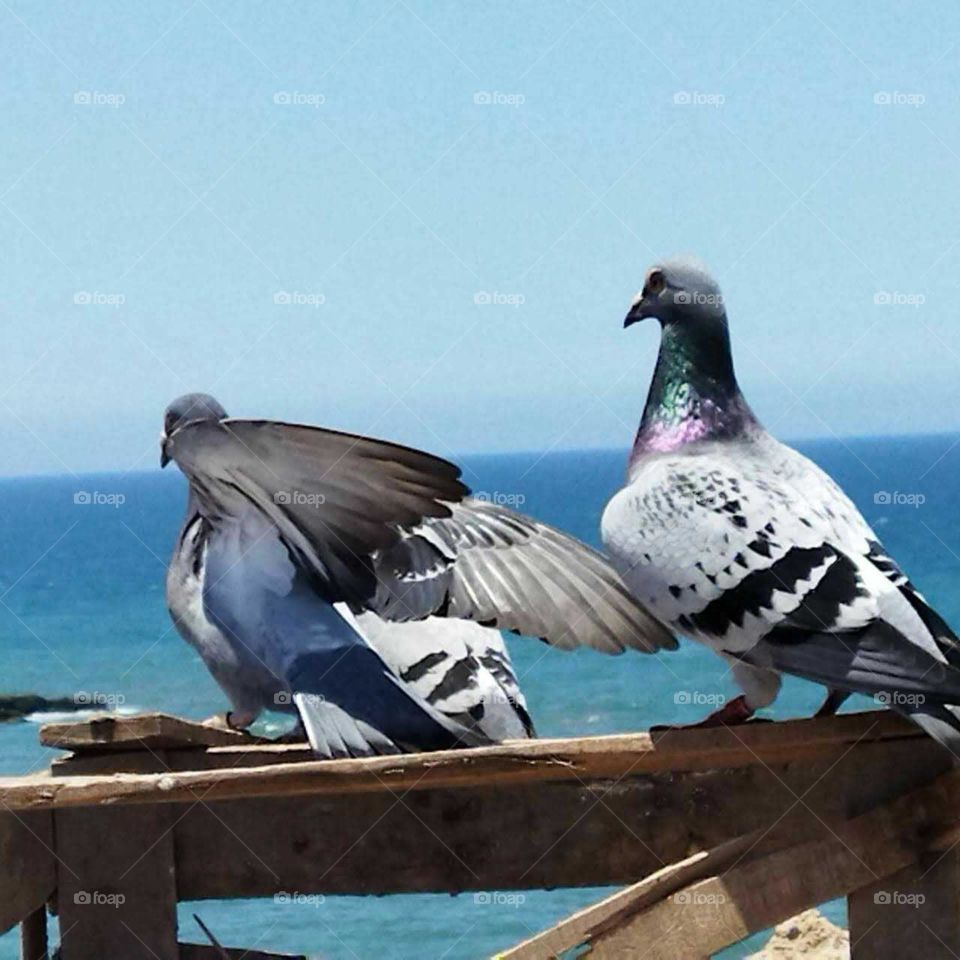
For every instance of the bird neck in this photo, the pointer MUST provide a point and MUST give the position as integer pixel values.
(193, 503)
(694, 395)
(195, 512)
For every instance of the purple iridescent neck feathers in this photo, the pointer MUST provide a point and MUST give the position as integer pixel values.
(694, 395)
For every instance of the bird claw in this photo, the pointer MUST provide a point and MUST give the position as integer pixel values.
(217, 722)
(231, 720)
(732, 714)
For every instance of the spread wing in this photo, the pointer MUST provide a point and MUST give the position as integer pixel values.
(490, 564)
(336, 498)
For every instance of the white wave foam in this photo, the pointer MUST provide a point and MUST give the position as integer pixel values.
(80, 716)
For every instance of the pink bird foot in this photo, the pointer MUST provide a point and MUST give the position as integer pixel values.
(732, 714)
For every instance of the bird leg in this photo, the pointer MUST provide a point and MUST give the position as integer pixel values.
(236, 720)
(731, 714)
(239, 720)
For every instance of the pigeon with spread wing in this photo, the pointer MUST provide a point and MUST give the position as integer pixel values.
(313, 568)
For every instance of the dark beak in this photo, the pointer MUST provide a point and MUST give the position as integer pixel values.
(639, 311)
(164, 452)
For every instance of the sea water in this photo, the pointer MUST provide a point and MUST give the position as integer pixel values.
(82, 614)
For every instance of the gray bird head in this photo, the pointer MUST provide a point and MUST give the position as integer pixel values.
(187, 409)
(676, 291)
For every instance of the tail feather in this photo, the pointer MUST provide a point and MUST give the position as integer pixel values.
(878, 661)
(875, 660)
(353, 705)
(333, 733)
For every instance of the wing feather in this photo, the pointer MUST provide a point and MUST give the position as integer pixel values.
(335, 497)
(752, 549)
(495, 566)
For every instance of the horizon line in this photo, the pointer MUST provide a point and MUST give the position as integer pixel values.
(528, 452)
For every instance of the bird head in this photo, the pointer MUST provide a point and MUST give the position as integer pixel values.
(187, 409)
(676, 291)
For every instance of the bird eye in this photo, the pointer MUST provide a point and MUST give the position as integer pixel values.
(656, 282)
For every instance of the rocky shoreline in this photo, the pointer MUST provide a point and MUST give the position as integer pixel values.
(16, 706)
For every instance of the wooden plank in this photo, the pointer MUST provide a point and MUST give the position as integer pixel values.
(759, 893)
(198, 758)
(117, 893)
(27, 866)
(217, 951)
(33, 936)
(914, 913)
(145, 731)
(511, 763)
(196, 951)
(526, 836)
(572, 931)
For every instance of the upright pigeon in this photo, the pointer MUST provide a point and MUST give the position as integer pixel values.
(745, 545)
(296, 538)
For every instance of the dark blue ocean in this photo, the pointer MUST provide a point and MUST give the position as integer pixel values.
(81, 610)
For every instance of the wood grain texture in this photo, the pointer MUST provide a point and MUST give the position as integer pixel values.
(515, 763)
(913, 913)
(253, 822)
(33, 936)
(523, 836)
(195, 951)
(234, 757)
(145, 731)
(117, 894)
(574, 930)
(758, 893)
(28, 873)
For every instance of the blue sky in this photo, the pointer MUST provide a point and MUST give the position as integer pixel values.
(458, 202)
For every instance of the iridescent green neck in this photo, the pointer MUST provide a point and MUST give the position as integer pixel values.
(694, 394)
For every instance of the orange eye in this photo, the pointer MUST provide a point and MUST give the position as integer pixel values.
(655, 282)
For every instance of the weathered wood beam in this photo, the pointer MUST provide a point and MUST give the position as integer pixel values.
(27, 865)
(107, 763)
(574, 930)
(524, 836)
(516, 763)
(195, 951)
(33, 936)
(217, 951)
(758, 893)
(145, 731)
(117, 894)
(913, 913)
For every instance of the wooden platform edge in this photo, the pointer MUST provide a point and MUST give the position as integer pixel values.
(145, 731)
(516, 762)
